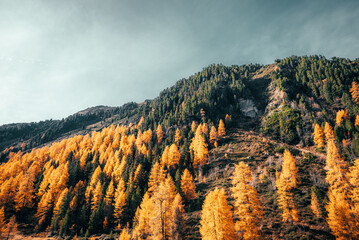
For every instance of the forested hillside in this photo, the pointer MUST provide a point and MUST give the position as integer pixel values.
(237, 152)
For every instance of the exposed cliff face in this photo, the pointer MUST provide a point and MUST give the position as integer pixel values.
(248, 108)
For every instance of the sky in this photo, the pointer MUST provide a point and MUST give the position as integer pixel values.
(60, 57)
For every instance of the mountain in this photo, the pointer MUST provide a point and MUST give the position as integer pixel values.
(67, 176)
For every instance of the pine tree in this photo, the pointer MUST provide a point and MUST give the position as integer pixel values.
(285, 182)
(159, 133)
(248, 206)
(355, 92)
(188, 187)
(318, 136)
(221, 129)
(216, 220)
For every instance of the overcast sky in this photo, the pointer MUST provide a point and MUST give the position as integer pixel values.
(61, 56)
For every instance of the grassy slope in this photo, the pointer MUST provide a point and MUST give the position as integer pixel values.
(264, 155)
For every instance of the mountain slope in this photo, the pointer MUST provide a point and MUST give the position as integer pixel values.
(71, 164)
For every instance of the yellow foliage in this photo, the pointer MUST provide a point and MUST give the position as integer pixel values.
(216, 219)
(221, 129)
(188, 187)
(248, 207)
(314, 205)
(286, 181)
(318, 136)
(341, 115)
(355, 92)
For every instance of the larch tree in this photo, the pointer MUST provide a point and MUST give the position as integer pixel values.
(356, 123)
(341, 115)
(221, 129)
(318, 136)
(314, 205)
(200, 150)
(177, 137)
(120, 202)
(216, 220)
(161, 217)
(329, 133)
(193, 126)
(142, 227)
(188, 187)
(285, 182)
(159, 133)
(2, 222)
(213, 136)
(178, 219)
(124, 235)
(173, 156)
(164, 158)
(339, 218)
(354, 90)
(354, 192)
(248, 207)
(157, 175)
(97, 195)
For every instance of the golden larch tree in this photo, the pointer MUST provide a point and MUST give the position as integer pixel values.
(200, 150)
(213, 135)
(157, 175)
(329, 133)
(141, 229)
(159, 133)
(356, 123)
(216, 220)
(339, 218)
(161, 217)
(173, 156)
(188, 187)
(285, 182)
(124, 235)
(120, 201)
(318, 136)
(178, 219)
(177, 137)
(354, 90)
(221, 129)
(341, 115)
(2, 222)
(248, 207)
(164, 158)
(314, 205)
(193, 126)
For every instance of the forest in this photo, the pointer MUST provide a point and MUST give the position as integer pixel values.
(190, 164)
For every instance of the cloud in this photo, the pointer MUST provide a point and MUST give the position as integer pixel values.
(58, 57)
